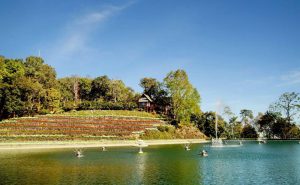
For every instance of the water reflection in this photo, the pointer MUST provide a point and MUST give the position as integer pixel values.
(141, 166)
(273, 163)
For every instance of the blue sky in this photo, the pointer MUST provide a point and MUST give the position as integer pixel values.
(242, 53)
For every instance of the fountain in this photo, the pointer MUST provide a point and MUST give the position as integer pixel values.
(261, 141)
(216, 142)
(141, 144)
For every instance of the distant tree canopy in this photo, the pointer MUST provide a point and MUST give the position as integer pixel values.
(98, 93)
(275, 126)
(206, 124)
(288, 105)
(30, 86)
(246, 116)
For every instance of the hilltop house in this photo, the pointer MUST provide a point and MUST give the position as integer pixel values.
(146, 103)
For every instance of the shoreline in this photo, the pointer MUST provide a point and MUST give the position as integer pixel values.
(92, 144)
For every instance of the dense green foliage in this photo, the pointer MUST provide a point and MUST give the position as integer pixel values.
(100, 93)
(249, 132)
(206, 123)
(287, 105)
(175, 96)
(171, 132)
(185, 99)
(29, 87)
(274, 126)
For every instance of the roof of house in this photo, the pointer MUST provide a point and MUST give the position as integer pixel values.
(145, 98)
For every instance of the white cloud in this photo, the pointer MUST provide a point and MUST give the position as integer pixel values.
(291, 78)
(287, 79)
(94, 17)
(77, 33)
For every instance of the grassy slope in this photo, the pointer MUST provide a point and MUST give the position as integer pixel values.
(109, 113)
(82, 125)
(91, 126)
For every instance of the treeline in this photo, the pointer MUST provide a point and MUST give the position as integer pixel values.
(279, 122)
(99, 93)
(29, 87)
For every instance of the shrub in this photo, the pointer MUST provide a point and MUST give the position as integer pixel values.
(44, 111)
(156, 134)
(189, 132)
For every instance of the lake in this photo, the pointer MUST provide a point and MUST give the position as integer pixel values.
(277, 162)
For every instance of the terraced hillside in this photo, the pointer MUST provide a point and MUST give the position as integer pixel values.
(81, 125)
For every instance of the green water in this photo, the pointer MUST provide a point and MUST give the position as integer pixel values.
(272, 163)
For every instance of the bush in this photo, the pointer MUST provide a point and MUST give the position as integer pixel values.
(69, 105)
(189, 132)
(169, 132)
(156, 134)
(44, 111)
(166, 128)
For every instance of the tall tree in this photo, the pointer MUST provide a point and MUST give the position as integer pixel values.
(37, 70)
(227, 112)
(280, 128)
(150, 86)
(85, 86)
(100, 87)
(76, 88)
(185, 99)
(2, 69)
(66, 89)
(288, 104)
(266, 122)
(118, 92)
(42, 76)
(246, 115)
(231, 119)
(52, 99)
(11, 103)
(234, 126)
(206, 124)
(32, 92)
(249, 132)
